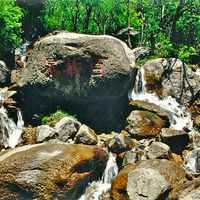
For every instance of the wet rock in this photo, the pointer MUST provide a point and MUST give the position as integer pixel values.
(144, 124)
(151, 107)
(187, 191)
(86, 135)
(120, 143)
(176, 139)
(82, 74)
(165, 77)
(158, 150)
(49, 171)
(45, 132)
(173, 174)
(144, 183)
(119, 184)
(192, 162)
(67, 128)
(4, 74)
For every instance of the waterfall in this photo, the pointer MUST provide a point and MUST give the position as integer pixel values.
(22, 51)
(97, 188)
(10, 131)
(180, 118)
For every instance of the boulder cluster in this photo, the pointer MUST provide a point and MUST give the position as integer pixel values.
(91, 76)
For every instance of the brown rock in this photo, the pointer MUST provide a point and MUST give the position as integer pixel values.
(79, 72)
(144, 124)
(190, 190)
(164, 76)
(151, 107)
(29, 135)
(158, 150)
(176, 139)
(86, 135)
(49, 171)
(173, 174)
(119, 184)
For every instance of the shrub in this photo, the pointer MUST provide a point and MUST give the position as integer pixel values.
(186, 52)
(53, 118)
(10, 25)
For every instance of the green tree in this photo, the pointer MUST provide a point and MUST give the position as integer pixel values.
(10, 25)
(171, 28)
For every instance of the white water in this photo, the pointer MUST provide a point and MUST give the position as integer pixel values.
(97, 188)
(10, 131)
(180, 118)
(21, 51)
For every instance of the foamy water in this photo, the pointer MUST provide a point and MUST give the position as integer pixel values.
(11, 131)
(180, 117)
(97, 188)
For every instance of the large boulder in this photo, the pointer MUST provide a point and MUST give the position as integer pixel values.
(146, 184)
(171, 77)
(90, 76)
(49, 171)
(172, 173)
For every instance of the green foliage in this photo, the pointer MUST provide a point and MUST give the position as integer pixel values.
(185, 52)
(166, 26)
(10, 25)
(53, 118)
(171, 28)
(164, 47)
(88, 16)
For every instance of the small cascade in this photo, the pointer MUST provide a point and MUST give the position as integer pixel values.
(139, 87)
(97, 188)
(22, 51)
(10, 131)
(180, 118)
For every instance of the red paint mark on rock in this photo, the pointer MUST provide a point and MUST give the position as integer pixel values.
(71, 68)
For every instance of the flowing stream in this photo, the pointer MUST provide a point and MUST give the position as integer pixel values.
(97, 188)
(11, 131)
(180, 117)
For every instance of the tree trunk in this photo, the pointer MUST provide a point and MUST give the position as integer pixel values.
(75, 18)
(87, 18)
(178, 14)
